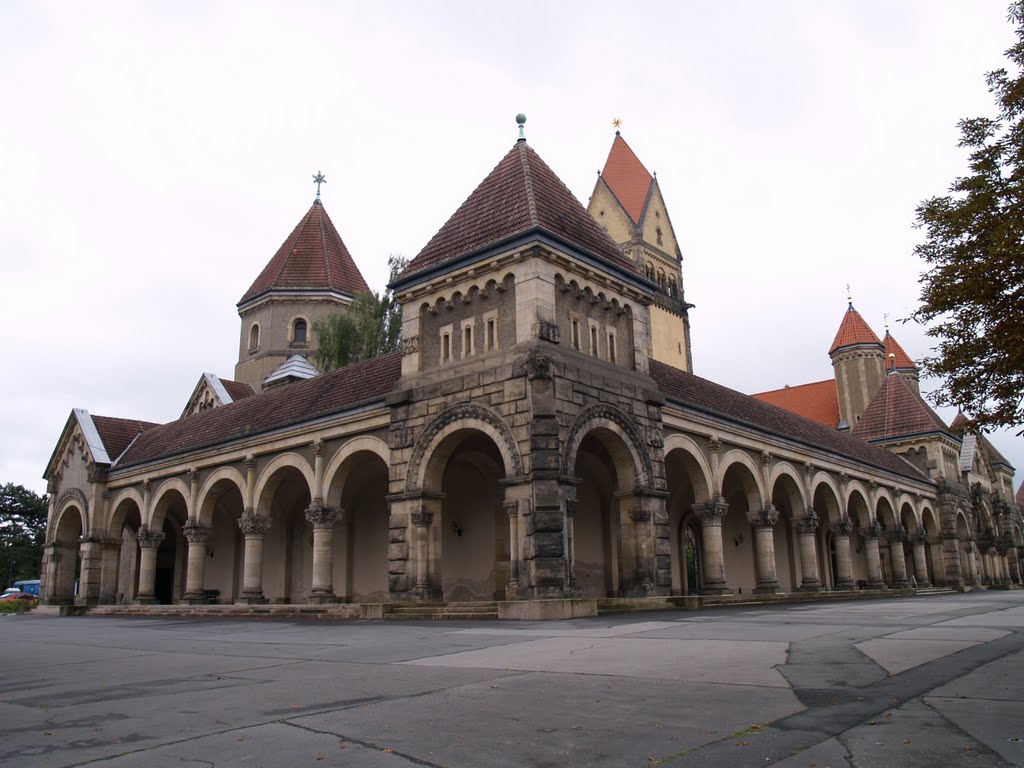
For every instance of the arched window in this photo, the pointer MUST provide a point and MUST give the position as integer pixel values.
(661, 278)
(299, 332)
(672, 287)
(650, 271)
(254, 337)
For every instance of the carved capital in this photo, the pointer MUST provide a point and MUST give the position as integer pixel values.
(766, 518)
(920, 537)
(872, 530)
(511, 508)
(322, 517)
(766, 458)
(712, 512)
(842, 527)
(250, 464)
(193, 477)
(253, 525)
(807, 524)
(538, 366)
(195, 532)
(897, 535)
(149, 539)
(319, 449)
(714, 445)
(422, 519)
(146, 486)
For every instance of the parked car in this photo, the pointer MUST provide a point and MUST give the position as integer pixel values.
(17, 595)
(31, 586)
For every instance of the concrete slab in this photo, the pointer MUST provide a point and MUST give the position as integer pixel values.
(999, 680)
(828, 754)
(1011, 618)
(896, 656)
(999, 725)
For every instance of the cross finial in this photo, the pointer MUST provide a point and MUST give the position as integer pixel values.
(616, 123)
(849, 295)
(319, 179)
(885, 315)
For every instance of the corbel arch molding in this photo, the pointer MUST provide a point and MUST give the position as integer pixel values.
(362, 444)
(452, 419)
(116, 513)
(72, 497)
(221, 473)
(679, 442)
(786, 469)
(737, 456)
(603, 415)
(290, 459)
(165, 487)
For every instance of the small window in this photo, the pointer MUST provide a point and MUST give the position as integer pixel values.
(657, 234)
(254, 337)
(490, 330)
(490, 333)
(575, 334)
(611, 346)
(467, 338)
(672, 287)
(446, 348)
(299, 332)
(593, 340)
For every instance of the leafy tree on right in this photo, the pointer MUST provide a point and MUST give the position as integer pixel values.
(972, 294)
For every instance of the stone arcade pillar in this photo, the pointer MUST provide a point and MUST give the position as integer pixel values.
(323, 520)
(972, 563)
(763, 523)
(254, 528)
(511, 508)
(711, 515)
(149, 543)
(422, 521)
(872, 557)
(806, 526)
(920, 541)
(1015, 570)
(109, 571)
(841, 531)
(899, 562)
(91, 549)
(951, 558)
(643, 546)
(197, 536)
(60, 574)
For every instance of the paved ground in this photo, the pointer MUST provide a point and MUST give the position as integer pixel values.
(927, 681)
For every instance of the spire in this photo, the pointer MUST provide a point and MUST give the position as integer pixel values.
(312, 258)
(627, 178)
(895, 355)
(896, 411)
(852, 331)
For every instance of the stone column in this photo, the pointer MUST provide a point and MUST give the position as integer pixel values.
(872, 557)
(511, 509)
(149, 543)
(91, 550)
(763, 523)
(711, 515)
(323, 520)
(951, 558)
(841, 531)
(972, 564)
(254, 528)
(641, 517)
(899, 562)
(806, 526)
(920, 541)
(1015, 570)
(422, 521)
(109, 571)
(197, 536)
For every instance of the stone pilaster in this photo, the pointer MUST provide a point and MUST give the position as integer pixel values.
(149, 543)
(951, 558)
(197, 536)
(763, 523)
(511, 509)
(109, 571)
(91, 550)
(323, 520)
(422, 521)
(254, 528)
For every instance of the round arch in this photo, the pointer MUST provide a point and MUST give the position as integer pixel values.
(363, 444)
(221, 473)
(695, 459)
(157, 506)
(290, 459)
(856, 487)
(785, 469)
(118, 507)
(735, 457)
(604, 416)
(72, 497)
(824, 478)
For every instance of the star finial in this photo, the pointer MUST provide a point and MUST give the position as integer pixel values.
(616, 123)
(319, 179)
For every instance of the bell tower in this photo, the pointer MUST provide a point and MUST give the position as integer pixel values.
(857, 359)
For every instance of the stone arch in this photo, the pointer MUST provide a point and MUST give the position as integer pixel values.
(885, 511)
(785, 469)
(73, 504)
(737, 456)
(856, 487)
(290, 459)
(604, 416)
(474, 416)
(698, 470)
(908, 514)
(115, 505)
(882, 494)
(364, 443)
(221, 473)
(155, 520)
(72, 497)
(824, 478)
(825, 494)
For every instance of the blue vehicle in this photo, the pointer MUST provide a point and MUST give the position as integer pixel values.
(30, 585)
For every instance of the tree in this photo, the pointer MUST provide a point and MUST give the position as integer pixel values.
(973, 290)
(22, 529)
(370, 327)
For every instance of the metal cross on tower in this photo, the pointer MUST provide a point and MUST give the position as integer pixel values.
(319, 179)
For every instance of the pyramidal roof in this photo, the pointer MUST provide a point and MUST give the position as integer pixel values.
(901, 358)
(896, 411)
(853, 330)
(627, 178)
(521, 195)
(312, 258)
(961, 424)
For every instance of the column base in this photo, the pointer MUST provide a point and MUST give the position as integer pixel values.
(876, 585)
(252, 599)
(321, 598)
(924, 584)
(809, 588)
(512, 590)
(146, 600)
(768, 589)
(715, 589)
(847, 587)
(199, 598)
(901, 584)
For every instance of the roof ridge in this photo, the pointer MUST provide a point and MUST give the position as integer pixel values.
(531, 201)
(323, 242)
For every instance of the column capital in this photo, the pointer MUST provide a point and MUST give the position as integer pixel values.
(897, 535)
(807, 524)
(640, 514)
(714, 444)
(195, 532)
(871, 531)
(766, 518)
(511, 508)
(842, 527)
(711, 512)
(920, 537)
(149, 539)
(322, 517)
(254, 525)
(193, 476)
(423, 518)
(319, 449)
(250, 464)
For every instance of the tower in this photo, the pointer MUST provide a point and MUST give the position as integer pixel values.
(628, 203)
(311, 276)
(900, 361)
(858, 359)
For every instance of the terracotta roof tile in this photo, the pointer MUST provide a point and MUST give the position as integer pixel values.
(238, 390)
(280, 407)
(522, 194)
(892, 347)
(694, 392)
(960, 425)
(117, 434)
(896, 411)
(818, 401)
(313, 257)
(627, 178)
(853, 330)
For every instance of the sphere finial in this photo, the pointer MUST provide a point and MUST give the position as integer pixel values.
(521, 119)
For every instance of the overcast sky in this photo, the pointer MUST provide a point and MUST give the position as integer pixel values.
(153, 156)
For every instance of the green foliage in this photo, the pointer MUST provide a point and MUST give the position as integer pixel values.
(973, 291)
(372, 326)
(17, 606)
(22, 528)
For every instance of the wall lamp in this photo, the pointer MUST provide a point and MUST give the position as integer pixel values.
(738, 540)
(456, 528)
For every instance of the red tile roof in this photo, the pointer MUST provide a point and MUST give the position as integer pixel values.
(961, 423)
(238, 390)
(818, 401)
(700, 394)
(313, 257)
(853, 330)
(117, 434)
(522, 194)
(627, 178)
(896, 411)
(1020, 496)
(314, 398)
(892, 347)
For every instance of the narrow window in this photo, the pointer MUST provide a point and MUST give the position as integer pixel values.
(467, 339)
(254, 337)
(575, 334)
(490, 334)
(593, 340)
(299, 332)
(446, 348)
(611, 346)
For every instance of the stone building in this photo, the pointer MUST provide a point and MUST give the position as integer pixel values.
(538, 436)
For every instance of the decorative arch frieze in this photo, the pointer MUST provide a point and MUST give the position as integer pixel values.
(221, 473)
(463, 416)
(167, 486)
(290, 459)
(361, 444)
(605, 415)
(72, 497)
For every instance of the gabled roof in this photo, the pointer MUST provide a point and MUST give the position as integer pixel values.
(105, 437)
(224, 391)
(237, 390)
(627, 178)
(521, 195)
(896, 411)
(322, 396)
(295, 367)
(817, 401)
(901, 358)
(117, 434)
(312, 258)
(853, 330)
(703, 395)
(995, 458)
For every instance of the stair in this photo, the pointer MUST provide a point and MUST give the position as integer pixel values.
(441, 611)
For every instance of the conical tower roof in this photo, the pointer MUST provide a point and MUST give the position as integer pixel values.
(853, 330)
(627, 178)
(312, 258)
(521, 195)
(897, 411)
(899, 357)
